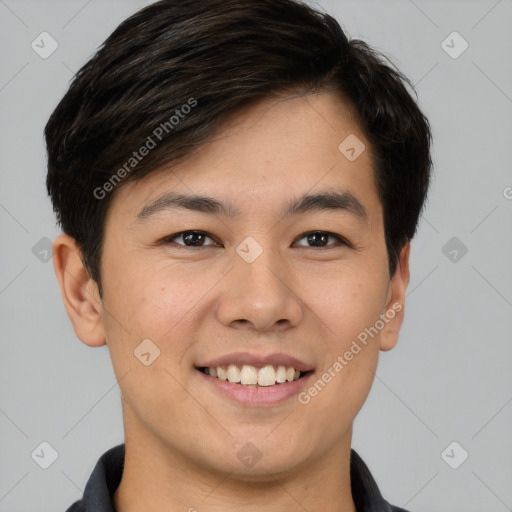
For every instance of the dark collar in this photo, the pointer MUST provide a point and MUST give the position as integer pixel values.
(106, 477)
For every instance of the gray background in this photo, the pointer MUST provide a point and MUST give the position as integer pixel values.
(448, 379)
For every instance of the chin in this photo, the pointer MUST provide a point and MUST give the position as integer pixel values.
(266, 469)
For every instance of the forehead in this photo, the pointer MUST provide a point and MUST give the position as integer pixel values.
(266, 155)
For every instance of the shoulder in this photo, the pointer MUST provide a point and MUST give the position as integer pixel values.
(391, 507)
(78, 506)
(365, 492)
(103, 482)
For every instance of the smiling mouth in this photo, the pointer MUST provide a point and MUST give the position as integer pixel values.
(252, 376)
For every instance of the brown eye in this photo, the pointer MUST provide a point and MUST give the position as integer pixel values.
(321, 239)
(189, 239)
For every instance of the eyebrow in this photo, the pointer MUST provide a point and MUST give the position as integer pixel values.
(324, 201)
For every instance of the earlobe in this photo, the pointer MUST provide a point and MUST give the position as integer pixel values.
(395, 304)
(79, 291)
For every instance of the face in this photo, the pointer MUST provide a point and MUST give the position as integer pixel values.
(257, 276)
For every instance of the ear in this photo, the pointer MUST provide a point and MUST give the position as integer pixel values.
(395, 301)
(79, 291)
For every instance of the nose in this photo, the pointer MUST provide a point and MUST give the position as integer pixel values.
(259, 295)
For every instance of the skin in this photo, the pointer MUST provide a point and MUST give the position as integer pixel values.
(305, 298)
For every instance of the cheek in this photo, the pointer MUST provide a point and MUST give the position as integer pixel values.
(158, 301)
(146, 298)
(348, 305)
(151, 306)
(348, 302)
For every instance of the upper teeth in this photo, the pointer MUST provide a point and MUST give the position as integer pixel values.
(265, 376)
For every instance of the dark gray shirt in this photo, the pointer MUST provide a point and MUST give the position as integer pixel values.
(106, 477)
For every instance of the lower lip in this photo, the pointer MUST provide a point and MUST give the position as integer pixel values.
(257, 395)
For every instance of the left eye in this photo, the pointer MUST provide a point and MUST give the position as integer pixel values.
(320, 238)
(197, 239)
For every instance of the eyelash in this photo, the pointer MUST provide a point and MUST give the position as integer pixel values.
(170, 239)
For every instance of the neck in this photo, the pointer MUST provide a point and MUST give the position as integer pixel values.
(158, 478)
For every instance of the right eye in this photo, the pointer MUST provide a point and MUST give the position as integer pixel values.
(189, 239)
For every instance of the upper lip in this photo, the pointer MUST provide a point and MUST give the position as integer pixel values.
(241, 358)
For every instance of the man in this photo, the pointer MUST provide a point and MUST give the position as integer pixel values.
(238, 185)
